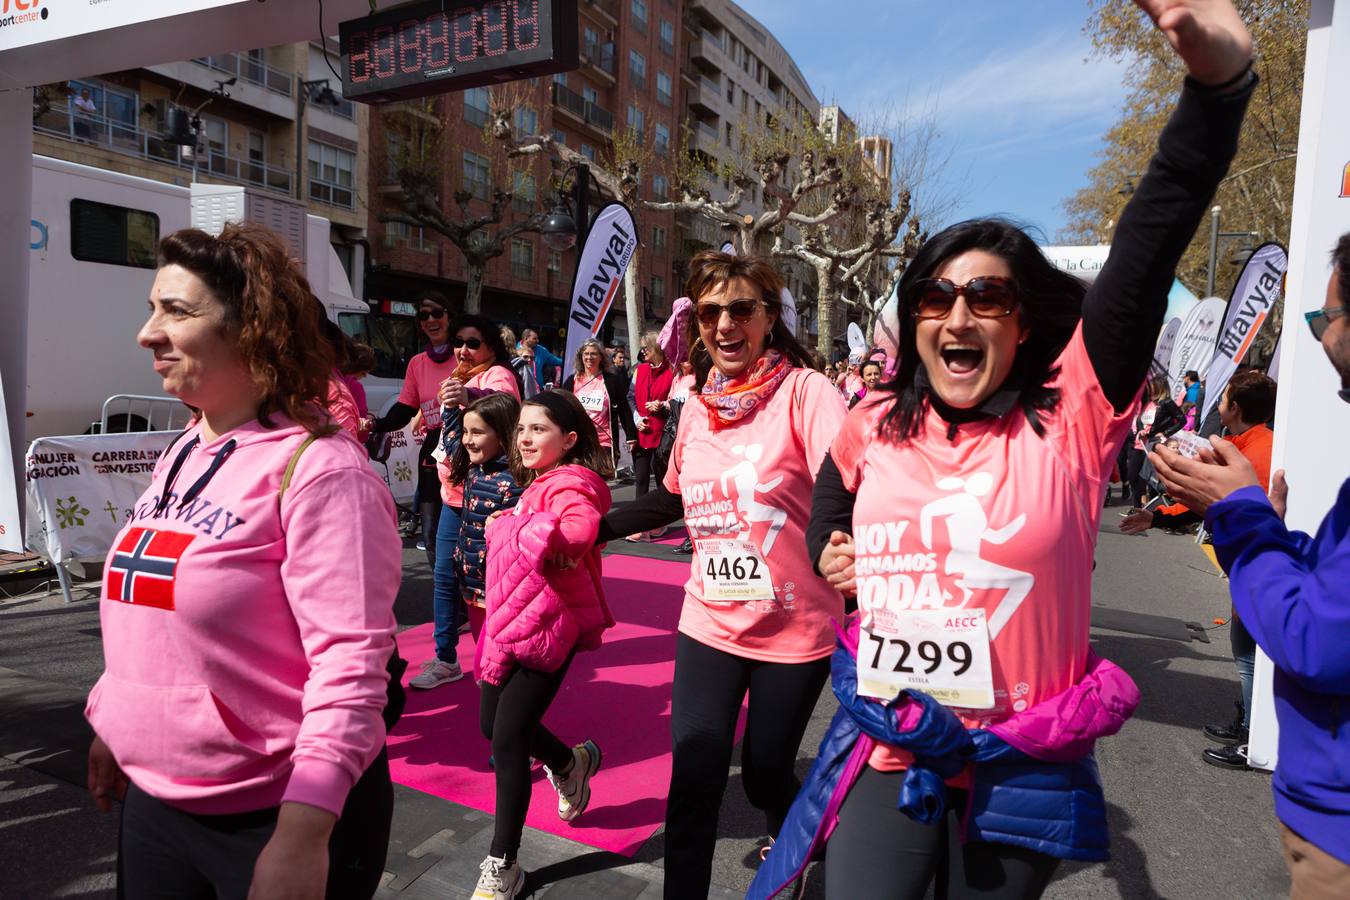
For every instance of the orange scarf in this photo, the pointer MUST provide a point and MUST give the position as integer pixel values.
(466, 370)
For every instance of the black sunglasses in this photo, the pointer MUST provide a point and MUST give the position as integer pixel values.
(424, 314)
(987, 297)
(471, 343)
(741, 312)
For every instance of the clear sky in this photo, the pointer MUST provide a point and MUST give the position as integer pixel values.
(1019, 99)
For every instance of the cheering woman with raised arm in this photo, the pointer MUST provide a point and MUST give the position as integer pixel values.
(962, 501)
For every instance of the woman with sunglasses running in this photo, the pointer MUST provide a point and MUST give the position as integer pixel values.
(482, 367)
(421, 386)
(962, 502)
(756, 618)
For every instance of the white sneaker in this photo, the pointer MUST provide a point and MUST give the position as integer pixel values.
(436, 673)
(574, 788)
(499, 881)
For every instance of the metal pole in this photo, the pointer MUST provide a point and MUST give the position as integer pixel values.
(1213, 250)
(581, 198)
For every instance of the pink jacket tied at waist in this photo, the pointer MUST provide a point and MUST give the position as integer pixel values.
(536, 612)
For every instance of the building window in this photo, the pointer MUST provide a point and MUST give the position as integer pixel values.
(731, 91)
(663, 89)
(403, 233)
(559, 137)
(662, 140)
(554, 261)
(660, 187)
(330, 175)
(113, 235)
(523, 193)
(477, 174)
(658, 291)
(640, 15)
(590, 44)
(637, 123)
(476, 106)
(590, 95)
(637, 68)
(588, 151)
(522, 259)
(666, 38)
(729, 133)
(658, 240)
(526, 122)
(560, 78)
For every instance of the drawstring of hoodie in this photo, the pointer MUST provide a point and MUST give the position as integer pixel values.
(197, 486)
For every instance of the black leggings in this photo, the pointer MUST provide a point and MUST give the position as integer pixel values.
(1134, 482)
(646, 465)
(880, 853)
(706, 701)
(165, 853)
(511, 716)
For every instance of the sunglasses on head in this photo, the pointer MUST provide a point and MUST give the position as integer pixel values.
(1319, 320)
(987, 297)
(741, 312)
(424, 314)
(471, 343)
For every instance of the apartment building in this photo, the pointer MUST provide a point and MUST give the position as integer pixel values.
(736, 74)
(271, 118)
(627, 82)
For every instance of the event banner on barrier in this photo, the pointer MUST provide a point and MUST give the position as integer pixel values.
(1195, 341)
(600, 267)
(1254, 295)
(399, 468)
(81, 489)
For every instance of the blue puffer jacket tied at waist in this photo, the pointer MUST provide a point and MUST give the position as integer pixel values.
(1034, 781)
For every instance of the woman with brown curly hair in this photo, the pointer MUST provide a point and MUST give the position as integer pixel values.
(247, 604)
(756, 618)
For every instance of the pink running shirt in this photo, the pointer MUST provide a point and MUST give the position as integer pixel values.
(594, 398)
(421, 384)
(997, 519)
(753, 481)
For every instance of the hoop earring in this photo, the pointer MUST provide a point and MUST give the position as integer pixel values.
(768, 341)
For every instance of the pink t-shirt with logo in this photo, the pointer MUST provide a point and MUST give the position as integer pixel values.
(997, 519)
(752, 481)
(594, 398)
(421, 384)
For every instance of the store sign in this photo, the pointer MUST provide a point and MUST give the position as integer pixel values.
(433, 48)
(27, 22)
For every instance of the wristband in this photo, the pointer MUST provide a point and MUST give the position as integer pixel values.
(1240, 80)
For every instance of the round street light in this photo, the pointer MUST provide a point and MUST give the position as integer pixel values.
(559, 230)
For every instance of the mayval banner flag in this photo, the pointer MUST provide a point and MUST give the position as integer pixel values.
(600, 268)
(1195, 342)
(1256, 292)
(1162, 353)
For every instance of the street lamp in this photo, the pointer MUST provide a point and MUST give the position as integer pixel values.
(1214, 235)
(561, 230)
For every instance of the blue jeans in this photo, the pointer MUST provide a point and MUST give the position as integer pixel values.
(1244, 654)
(445, 600)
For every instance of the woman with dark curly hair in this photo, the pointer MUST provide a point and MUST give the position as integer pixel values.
(247, 604)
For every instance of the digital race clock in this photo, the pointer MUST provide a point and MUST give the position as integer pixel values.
(436, 46)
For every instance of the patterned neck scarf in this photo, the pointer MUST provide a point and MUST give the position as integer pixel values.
(466, 370)
(731, 399)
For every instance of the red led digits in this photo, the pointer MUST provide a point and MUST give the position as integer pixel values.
(358, 57)
(494, 28)
(382, 52)
(437, 30)
(526, 27)
(466, 35)
(409, 47)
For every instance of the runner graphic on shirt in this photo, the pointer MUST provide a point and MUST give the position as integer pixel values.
(746, 478)
(967, 528)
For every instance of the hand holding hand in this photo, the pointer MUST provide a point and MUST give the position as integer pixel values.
(654, 406)
(1199, 483)
(452, 392)
(1208, 35)
(106, 778)
(836, 563)
(1137, 522)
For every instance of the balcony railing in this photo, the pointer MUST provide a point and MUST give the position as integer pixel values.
(332, 193)
(254, 71)
(601, 56)
(132, 141)
(570, 101)
(711, 39)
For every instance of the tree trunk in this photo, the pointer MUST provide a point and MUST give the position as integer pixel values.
(473, 287)
(632, 289)
(824, 314)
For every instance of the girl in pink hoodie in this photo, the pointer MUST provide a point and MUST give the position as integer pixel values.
(544, 603)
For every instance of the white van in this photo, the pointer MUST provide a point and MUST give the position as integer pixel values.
(94, 235)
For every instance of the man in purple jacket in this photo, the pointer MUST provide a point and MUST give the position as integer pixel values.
(1290, 590)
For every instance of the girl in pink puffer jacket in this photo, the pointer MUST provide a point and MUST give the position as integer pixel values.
(544, 603)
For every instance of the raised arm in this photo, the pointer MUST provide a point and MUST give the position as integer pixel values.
(1124, 308)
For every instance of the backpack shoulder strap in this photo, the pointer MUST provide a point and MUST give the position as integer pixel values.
(290, 467)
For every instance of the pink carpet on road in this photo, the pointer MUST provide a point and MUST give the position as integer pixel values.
(618, 695)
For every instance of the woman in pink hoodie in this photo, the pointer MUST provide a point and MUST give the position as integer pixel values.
(247, 605)
(544, 603)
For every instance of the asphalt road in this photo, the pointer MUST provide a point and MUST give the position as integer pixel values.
(1180, 828)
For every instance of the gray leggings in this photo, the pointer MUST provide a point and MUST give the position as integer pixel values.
(880, 853)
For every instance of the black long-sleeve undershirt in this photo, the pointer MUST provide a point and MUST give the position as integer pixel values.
(1124, 308)
(658, 507)
(399, 414)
